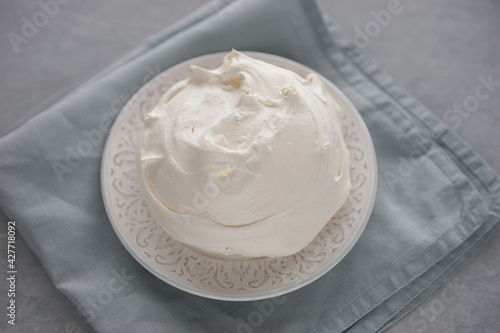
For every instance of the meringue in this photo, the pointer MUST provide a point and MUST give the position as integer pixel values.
(247, 159)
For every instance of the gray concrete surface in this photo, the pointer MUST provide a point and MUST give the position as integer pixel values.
(436, 49)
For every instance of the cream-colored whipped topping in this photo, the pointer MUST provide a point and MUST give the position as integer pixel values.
(246, 159)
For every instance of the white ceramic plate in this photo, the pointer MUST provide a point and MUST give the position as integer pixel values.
(235, 280)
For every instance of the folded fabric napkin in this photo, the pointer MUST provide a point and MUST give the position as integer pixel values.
(436, 204)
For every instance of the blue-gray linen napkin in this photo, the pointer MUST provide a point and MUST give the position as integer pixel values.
(437, 201)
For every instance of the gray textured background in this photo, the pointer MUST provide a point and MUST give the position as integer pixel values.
(436, 49)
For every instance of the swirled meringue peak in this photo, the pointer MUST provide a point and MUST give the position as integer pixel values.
(247, 159)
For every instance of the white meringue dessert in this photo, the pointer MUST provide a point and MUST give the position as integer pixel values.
(247, 159)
